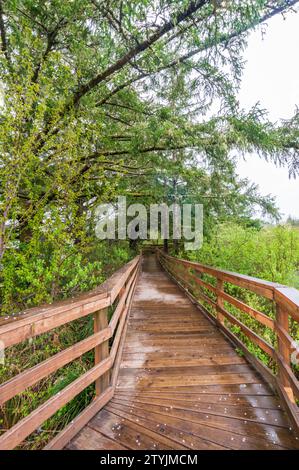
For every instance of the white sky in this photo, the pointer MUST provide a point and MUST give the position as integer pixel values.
(271, 77)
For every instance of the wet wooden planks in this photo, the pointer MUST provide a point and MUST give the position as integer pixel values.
(181, 384)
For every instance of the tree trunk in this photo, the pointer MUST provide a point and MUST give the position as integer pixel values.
(133, 244)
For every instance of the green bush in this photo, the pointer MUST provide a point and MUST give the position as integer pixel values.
(30, 278)
(271, 253)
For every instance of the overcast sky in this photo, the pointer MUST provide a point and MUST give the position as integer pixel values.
(271, 77)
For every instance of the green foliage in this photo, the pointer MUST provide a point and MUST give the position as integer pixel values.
(270, 253)
(82, 123)
(100, 99)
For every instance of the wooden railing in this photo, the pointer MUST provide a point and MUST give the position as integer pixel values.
(213, 297)
(106, 341)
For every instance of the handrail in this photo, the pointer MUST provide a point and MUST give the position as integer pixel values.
(286, 302)
(39, 320)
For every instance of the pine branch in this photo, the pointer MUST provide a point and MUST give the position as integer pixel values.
(192, 8)
(4, 41)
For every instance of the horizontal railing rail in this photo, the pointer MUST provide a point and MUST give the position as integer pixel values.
(213, 298)
(118, 289)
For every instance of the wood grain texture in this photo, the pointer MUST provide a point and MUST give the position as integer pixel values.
(15, 435)
(101, 351)
(38, 320)
(181, 383)
(33, 375)
(286, 302)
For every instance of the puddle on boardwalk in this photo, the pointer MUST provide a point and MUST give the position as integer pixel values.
(151, 292)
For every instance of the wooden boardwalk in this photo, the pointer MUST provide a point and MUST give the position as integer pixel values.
(181, 384)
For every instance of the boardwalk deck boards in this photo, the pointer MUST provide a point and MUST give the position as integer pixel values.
(181, 383)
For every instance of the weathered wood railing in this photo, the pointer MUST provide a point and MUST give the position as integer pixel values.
(286, 307)
(116, 290)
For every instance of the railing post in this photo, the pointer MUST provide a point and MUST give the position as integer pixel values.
(198, 290)
(102, 351)
(282, 320)
(220, 303)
